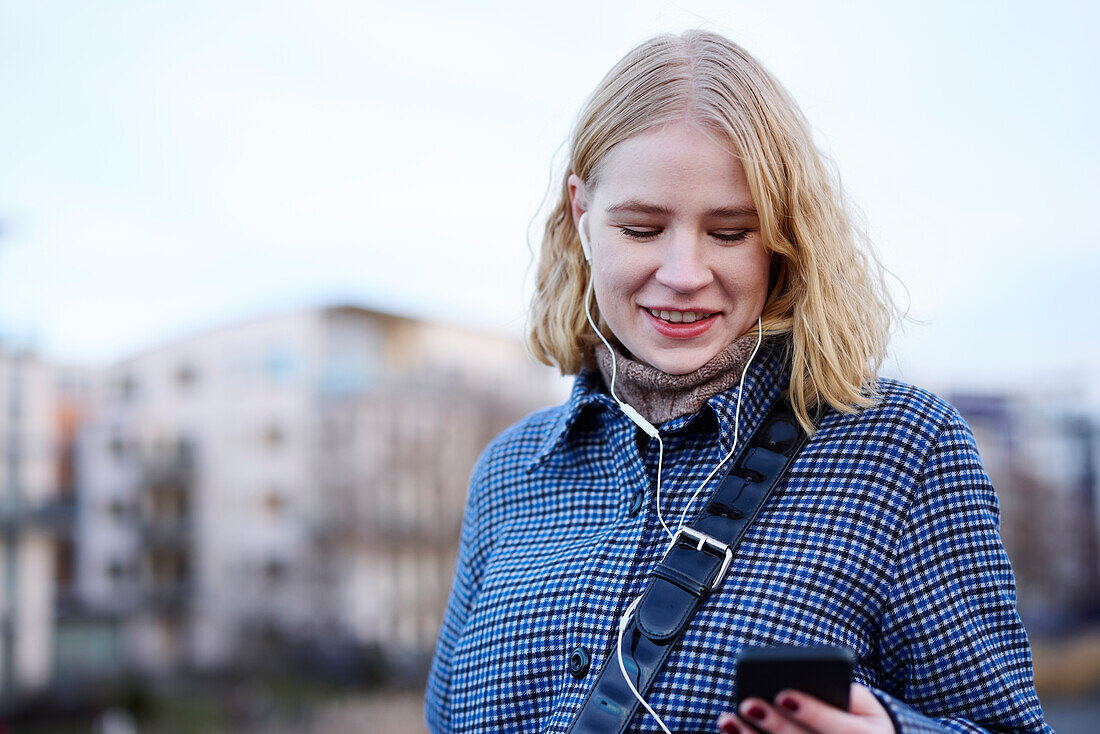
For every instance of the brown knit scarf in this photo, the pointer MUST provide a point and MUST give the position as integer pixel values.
(660, 396)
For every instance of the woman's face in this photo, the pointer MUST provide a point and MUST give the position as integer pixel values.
(679, 269)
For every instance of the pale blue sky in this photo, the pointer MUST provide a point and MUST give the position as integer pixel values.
(165, 166)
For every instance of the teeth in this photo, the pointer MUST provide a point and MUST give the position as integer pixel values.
(677, 317)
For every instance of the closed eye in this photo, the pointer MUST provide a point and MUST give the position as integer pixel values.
(732, 236)
(643, 235)
(639, 234)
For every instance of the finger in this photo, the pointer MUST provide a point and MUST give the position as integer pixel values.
(729, 724)
(865, 703)
(764, 717)
(865, 714)
(812, 713)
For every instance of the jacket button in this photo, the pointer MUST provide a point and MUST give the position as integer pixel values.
(636, 502)
(579, 661)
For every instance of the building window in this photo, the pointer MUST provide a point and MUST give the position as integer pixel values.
(274, 571)
(274, 436)
(127, 388)
(274, 503)
(117, 447)
(279, 364)
(186, 376)
(118, 571)
(118, 509)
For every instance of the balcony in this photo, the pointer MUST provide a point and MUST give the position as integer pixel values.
(175, 468)
(166, 532)
(168, 598)
(56, 515)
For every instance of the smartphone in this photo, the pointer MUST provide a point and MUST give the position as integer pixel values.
(822, 672)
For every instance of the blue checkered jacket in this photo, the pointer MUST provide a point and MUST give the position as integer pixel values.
(882, 537)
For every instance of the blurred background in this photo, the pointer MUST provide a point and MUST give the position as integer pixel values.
(263, 269)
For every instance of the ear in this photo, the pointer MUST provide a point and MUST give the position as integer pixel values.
(576, 197)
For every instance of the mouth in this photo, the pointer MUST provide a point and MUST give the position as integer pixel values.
(680, 317)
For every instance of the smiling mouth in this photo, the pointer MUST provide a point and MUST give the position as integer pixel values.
(681, 317)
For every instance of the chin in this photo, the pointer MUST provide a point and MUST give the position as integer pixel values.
(679, 364)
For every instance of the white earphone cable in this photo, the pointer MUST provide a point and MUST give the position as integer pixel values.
(736, 424)
(630, 411)
(648, 427)
(623, 621)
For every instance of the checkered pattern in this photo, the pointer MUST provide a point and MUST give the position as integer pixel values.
(883, 537)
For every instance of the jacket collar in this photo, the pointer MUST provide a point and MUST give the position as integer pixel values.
(768, 375)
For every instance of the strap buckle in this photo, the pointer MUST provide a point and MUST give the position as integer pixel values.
(703, 541)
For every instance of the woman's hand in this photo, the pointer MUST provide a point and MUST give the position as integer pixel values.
(795, 712)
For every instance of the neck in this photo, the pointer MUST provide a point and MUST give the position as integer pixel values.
(659, 396)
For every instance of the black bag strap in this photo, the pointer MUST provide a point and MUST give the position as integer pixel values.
(694, 565)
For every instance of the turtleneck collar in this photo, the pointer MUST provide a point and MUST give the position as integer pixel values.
(659, 396)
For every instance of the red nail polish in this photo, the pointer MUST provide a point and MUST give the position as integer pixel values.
(789, 703)
(757, 712)
(730, 727)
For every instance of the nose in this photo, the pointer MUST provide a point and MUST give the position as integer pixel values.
(683, 266)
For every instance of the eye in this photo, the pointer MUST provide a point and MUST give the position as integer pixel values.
(640, 234)
(724, 236)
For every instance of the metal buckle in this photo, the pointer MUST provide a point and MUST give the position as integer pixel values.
(700, 541)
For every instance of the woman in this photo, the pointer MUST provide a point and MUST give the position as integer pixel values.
(722, 275)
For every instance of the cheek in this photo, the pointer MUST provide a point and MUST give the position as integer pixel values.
(755, 272)
(616, 283)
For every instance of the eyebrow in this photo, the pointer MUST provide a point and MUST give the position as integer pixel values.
(641, 207)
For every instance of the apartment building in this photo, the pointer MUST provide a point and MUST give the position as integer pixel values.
(297, 480)
(294, 478)
(41, 405)
(1041, 454)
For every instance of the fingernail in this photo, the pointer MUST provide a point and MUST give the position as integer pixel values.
(728, 724)
(789, 703)
(756, 712)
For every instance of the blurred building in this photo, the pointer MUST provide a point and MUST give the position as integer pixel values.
(294, 485)
(290, 482)
(1041, 454)
(40, 408)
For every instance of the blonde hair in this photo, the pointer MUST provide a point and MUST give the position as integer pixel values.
(827, 293)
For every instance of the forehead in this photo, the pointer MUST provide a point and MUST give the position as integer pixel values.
(670, 164)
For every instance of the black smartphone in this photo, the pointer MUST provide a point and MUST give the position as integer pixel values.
(822, 672)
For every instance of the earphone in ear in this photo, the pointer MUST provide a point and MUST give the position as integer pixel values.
(582, 231)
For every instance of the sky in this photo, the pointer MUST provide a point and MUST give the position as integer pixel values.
(166, 167)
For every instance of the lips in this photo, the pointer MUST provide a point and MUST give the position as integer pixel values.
(690, 324)
(677, 317)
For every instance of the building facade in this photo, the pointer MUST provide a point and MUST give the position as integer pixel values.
(1041, 455)
(41, 405)
(289, 482)
(294, 485)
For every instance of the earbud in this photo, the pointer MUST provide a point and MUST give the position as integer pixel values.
(583, 232)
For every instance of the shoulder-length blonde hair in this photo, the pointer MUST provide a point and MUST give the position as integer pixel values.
(827, 293)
